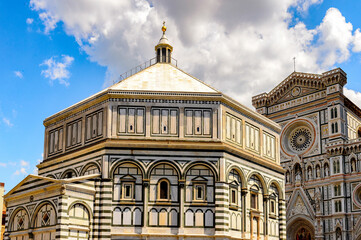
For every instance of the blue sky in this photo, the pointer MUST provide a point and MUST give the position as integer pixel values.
(56, 53)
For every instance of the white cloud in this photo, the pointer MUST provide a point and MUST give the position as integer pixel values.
(7, 122)
(3, 164)
(20, 171)
(57, 69)
(357, 41)
(354, 96)
(242, 48)
(29, 21)
(18, 74)
(24, 163)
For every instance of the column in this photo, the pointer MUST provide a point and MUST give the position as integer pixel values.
(244, 211)
(181, 206)
(265, 215)
(222, 202)
(145, 205)
(282, 219)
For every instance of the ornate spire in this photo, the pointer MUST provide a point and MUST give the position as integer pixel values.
(164, 49)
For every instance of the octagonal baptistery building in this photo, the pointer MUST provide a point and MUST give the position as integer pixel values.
(158, 155)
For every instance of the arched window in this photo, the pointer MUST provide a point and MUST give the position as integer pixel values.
(332, 128)
(91, 169)
(163, 189)
(45, 216)
(20, 221)
(235, 184)
(68, 174)
(336, 166)
(359, 132)
(332, 114)
(335, 111)
(336, 127)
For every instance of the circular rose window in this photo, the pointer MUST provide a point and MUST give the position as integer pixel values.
(298, 137)
(357, 196)
(301, 139)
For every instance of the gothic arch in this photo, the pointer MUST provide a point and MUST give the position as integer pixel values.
(297, 224)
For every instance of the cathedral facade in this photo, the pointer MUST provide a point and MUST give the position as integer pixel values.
(158, 155)
(320, 152)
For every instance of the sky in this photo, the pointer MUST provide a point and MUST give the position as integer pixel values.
(54, 53)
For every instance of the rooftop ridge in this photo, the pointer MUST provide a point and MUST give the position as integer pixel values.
(141, 67)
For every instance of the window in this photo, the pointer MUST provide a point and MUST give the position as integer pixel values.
(127, 191)
(335, 111)
(73, 132)
(338, 206)
(234, 196)
(252, 137)
(164, 121)
(234, 129)
(336, 166)
(198, 122)
(163, 190)
(273, 206)
(269, 146)
(94, 125)
(131, 120)
(332, 114)
(254, 202)
(198, 193)
(337, 190)
(55, 141)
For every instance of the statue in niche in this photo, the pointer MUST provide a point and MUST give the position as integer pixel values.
(318, 200)
(353, 165)
(326, 170)
(298, 173)
(287, 177)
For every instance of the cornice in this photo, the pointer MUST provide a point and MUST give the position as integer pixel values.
(213, 145)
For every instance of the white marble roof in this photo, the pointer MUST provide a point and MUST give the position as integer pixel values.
(163, 77)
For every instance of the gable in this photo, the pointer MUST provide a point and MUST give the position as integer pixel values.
(296, 92)
(299, 205)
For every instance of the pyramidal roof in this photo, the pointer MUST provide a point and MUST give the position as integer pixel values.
(163, 77)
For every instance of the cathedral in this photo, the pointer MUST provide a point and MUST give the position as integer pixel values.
(161, 155)
(320, 150)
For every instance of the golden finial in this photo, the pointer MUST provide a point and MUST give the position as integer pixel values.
(164, 28)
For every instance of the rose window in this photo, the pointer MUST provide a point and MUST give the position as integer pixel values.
(300, 139)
